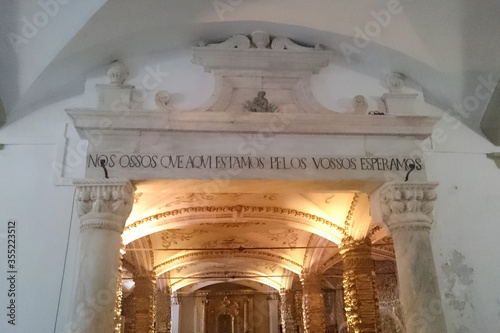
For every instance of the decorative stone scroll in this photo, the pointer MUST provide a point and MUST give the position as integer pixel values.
(258, 40)
(234, 42)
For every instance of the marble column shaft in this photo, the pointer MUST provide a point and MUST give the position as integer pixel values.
(312, 303)
(176, 313)
(273, 302)
(406, 210)
(287, 311)
(103, 206)
(360, 299)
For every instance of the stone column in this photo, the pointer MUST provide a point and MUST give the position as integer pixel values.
(360, 299)
(103, 205)
(274, 324)
(201, 312)
(405, 209)
(176, 311)
(144, 294)
(163, 311)
(299, 313)
(312, 303)
(287, 311)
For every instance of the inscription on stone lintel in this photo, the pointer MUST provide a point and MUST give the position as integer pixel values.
(117, 161)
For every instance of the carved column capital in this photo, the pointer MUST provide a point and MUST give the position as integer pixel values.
(310, 277)
(404, 205)
(356, 254)
(104, 203)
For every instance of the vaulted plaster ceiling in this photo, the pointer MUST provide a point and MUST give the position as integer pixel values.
(256, 233)
(444, 46)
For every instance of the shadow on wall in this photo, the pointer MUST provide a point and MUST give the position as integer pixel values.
(2, 114)
(9, 66)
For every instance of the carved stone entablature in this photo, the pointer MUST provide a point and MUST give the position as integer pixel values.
(104, 203)
(404, 206)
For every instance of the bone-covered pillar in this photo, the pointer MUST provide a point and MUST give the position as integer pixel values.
(360, 299)
(405, 209)
(287, 298)
(144, 296)
(163, 311)
(312, 302)
(103, 206)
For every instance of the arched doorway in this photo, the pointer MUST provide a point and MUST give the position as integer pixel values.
(270, 199)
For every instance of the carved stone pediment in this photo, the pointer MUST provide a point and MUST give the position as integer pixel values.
(248, 68)
(262, 83)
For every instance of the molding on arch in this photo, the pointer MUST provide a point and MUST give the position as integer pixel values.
(223, 277)
(159, 222)
(202, 255)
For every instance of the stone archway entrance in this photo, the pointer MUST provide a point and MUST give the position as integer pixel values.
(267, 200)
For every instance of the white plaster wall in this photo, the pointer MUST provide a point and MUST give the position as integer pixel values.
(45, 219)
(34, 32)
(466, 213)
(43, 212)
